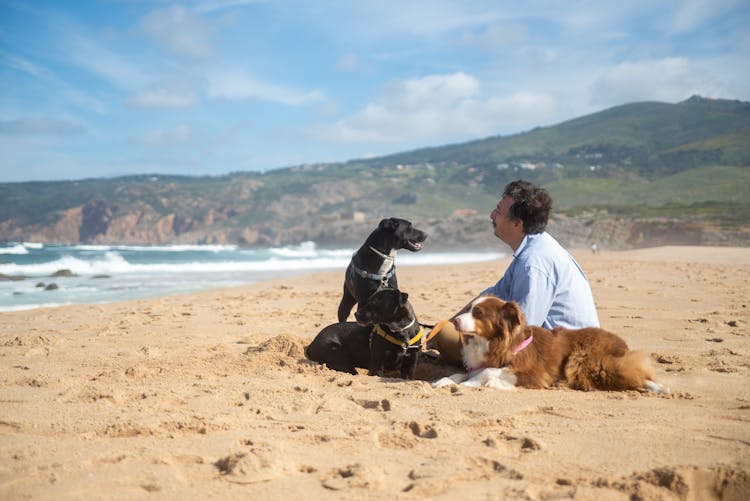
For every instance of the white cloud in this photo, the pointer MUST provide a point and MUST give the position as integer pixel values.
(23, 65)
(515, 112)
(494, 36)
(211, 6)
(54, 85)
(670, 80)
(164, 96)
(348, 62)
(166, 137)
(439, 107)
(237, 85)
(691, 14)
(430, 91)
(110, 66)
(181, 31)
(37, 126)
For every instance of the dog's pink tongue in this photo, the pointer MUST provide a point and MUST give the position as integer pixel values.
(416, 245)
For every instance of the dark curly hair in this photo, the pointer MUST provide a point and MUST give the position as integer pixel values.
(531, 205)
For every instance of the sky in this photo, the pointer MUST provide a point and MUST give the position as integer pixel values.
(207, 87)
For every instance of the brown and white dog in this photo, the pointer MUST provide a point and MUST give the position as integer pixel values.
(500, 351)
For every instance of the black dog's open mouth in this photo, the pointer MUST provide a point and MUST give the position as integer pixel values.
(414, 245)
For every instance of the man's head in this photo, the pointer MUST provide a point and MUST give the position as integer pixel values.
(523, 209)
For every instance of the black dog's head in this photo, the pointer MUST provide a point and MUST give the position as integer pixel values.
(386, 306)
(398, 233)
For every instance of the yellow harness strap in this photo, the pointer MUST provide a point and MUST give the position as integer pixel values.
(380, 332)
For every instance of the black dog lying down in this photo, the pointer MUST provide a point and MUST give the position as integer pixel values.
(386, 336)
(372, 266)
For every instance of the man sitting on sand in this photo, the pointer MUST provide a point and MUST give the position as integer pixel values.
(543, 277)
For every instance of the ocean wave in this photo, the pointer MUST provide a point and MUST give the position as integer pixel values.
(91, 247)
(113, 263)
(307, 250)
(177, 248)
(438, 258)
(210, 248)
(30, 306)
(133, 274)
(16, 249)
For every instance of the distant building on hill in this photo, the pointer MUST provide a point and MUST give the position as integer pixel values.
(464, 212)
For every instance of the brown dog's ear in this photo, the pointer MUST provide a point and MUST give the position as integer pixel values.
(512, 314)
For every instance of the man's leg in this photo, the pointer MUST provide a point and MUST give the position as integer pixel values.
(448, 343)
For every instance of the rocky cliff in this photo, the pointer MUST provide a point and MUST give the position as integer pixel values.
(101, 223)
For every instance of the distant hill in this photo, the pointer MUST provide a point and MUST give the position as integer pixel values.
(643, 163)
(649, 139)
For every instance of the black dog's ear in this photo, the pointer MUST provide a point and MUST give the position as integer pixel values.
(387, 224)
(402, 299)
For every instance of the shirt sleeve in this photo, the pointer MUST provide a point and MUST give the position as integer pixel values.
(502, 288)
(534, 292)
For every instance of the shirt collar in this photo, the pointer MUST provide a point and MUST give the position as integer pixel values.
(522, 246)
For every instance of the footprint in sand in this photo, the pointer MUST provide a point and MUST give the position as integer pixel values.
(405, 435)
(688, 482)
(353, 476)
(524, 444)
(258, 464)
(382, 405)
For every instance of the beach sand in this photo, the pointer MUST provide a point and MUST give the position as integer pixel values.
(209, 396)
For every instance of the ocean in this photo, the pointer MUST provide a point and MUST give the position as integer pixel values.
(108, 273)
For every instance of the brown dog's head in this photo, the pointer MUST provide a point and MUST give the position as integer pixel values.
(490, 329)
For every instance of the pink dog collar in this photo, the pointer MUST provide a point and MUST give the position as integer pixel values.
(523, 344)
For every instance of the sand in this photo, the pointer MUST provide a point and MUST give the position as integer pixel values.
(209, 396)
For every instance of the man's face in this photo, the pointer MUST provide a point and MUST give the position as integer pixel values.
(506, 229)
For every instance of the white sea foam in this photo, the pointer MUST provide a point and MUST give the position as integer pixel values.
(17, 249)
(110, 262)
(304, 250)
(31, 306)
(177, 248)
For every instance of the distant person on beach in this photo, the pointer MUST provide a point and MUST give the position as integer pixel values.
(543, 277)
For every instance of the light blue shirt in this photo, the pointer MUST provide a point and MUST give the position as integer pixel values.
(548, 284)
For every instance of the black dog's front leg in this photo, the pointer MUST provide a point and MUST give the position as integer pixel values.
(346, 304)
(377, 359)
(409, 364)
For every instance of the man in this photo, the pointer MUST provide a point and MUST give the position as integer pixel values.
(543, 277)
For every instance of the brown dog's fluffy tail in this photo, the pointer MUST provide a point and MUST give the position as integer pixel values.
(630, 371)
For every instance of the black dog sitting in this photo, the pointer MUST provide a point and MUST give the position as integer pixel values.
(372, 266)
(386, 336)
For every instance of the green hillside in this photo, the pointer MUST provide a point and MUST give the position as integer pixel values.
(689, 160)
(648, 139)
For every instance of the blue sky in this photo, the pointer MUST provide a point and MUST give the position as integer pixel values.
(116, 87)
